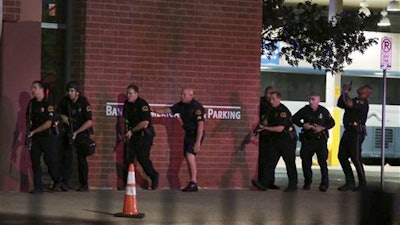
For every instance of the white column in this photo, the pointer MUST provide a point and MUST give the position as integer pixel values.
(333, 85)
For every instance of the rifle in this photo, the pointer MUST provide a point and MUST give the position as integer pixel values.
(256, 130)
(248, 137)
(70, 128)
(126, 152)
(119, 133)
(28, 141)
(13, 147)
(126, 129)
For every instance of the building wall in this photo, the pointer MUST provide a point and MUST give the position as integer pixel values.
(163, 46)
(20, 65)
(11, 10)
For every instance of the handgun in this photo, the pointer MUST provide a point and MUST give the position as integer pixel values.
(350, 84)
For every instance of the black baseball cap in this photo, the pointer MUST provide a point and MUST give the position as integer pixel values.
(75, 85)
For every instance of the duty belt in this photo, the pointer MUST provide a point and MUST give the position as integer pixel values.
(190, 133)
(318, 136)
(352, 125)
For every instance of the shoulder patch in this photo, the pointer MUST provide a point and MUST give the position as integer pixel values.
(282, 115)
(145, 108)
(88, 109)
(198, 112)
(50, 108)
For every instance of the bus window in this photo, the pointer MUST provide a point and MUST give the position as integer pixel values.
(294, 86)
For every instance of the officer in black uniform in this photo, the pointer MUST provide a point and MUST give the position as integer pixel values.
(354, 118)
(265, 107)
(76, 115)
(140, 132)
(282, 142)
(192, 116)
(315, 121)
(40, 117)
(265, 104)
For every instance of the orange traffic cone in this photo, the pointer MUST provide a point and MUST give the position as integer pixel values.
(130, 207)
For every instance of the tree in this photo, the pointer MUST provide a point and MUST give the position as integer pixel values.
(309, 35)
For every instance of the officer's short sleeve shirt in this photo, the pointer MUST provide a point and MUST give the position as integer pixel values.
(40, 112)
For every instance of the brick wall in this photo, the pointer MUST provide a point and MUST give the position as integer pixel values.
(20, 65)
(11, 10)
(162, 46)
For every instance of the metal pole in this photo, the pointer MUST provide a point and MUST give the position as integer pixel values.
(68, 42)
(383, 127)
(1, 17)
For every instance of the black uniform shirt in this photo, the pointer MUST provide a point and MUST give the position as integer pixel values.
(39, 112)
(136, 112)
(356, 115)
(80, 111)
(279, 116)
(62, 107)
(321, 117)
(191, 113)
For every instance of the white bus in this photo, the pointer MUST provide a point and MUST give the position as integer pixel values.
(295, 85)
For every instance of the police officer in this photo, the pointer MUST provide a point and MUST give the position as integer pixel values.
(354, 118)
(315, 121)
(192, 115)
(140, 132)
(76, 114)
(265, 107)
(282, 142)
(265, 104)
(41, 116)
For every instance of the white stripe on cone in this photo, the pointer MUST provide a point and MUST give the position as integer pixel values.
(131, 185)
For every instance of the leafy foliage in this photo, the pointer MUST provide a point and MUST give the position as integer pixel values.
(309, 35)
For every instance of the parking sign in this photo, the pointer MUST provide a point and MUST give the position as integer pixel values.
(386, 53)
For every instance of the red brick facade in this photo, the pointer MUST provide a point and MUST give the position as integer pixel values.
(11, 10)
(162, 46)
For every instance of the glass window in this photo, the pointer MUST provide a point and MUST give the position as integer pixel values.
(294, 86)
(297, 86)
(53, 47)
(392, 88)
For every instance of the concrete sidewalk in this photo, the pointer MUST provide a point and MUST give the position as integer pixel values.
(212, 206)
(204, 207)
